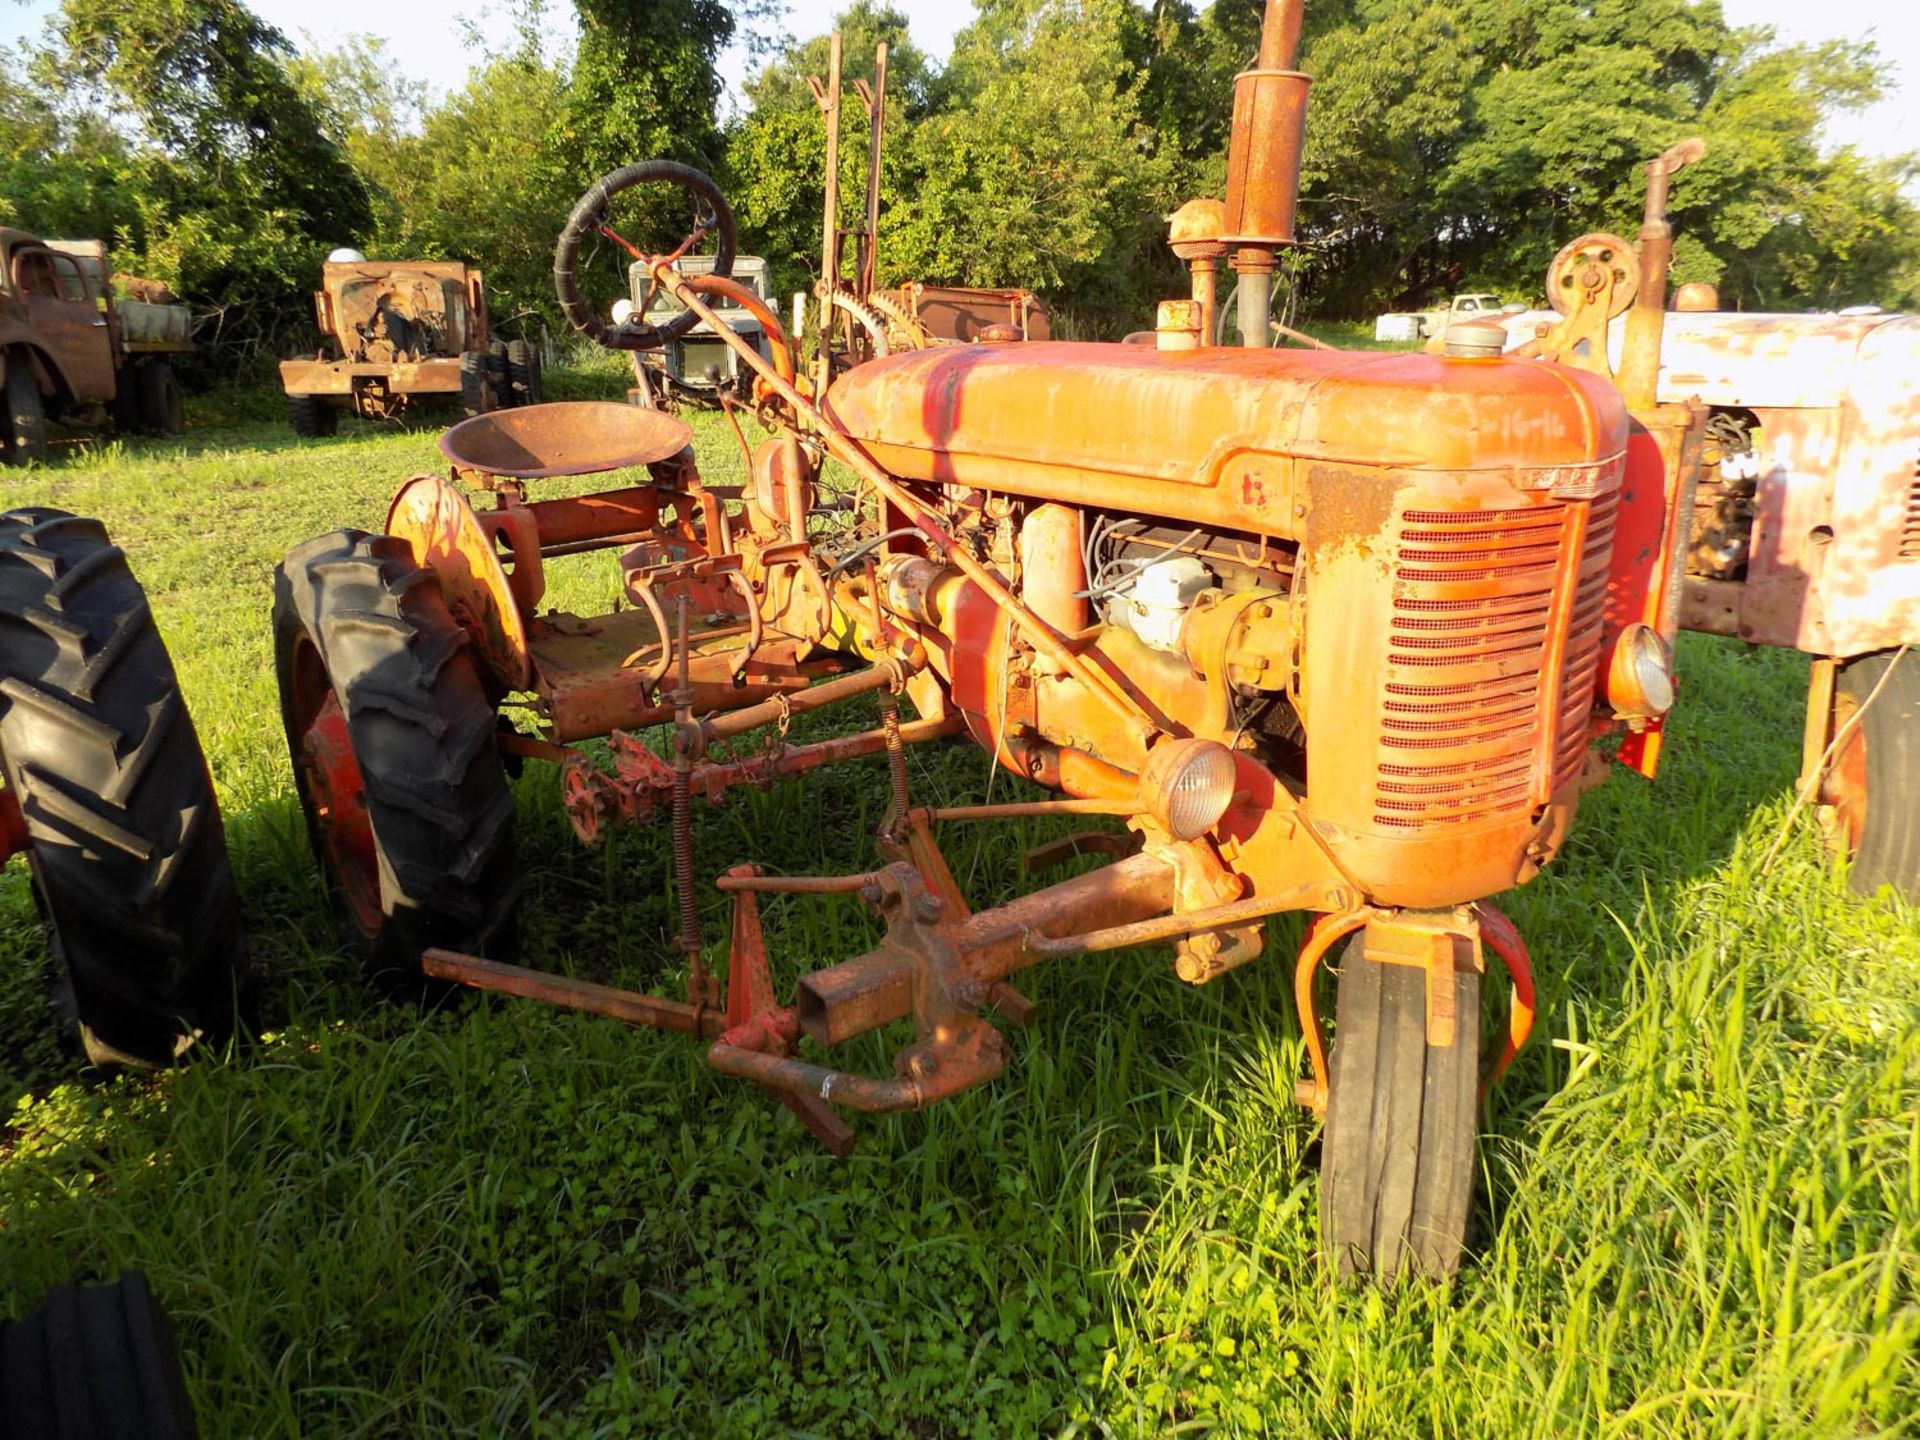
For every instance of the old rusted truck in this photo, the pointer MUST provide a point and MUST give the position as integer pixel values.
(400, 333)
(72, 347)
(1793, 480)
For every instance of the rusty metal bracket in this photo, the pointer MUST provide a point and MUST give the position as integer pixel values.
(1400, 940)
(1503, 938)
(1436, 943)
(955, 1049)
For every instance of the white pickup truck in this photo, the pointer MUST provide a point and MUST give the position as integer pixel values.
(1410, 326)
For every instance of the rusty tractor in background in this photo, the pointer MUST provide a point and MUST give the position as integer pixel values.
(71, 345)
(403, 333)
(1791, 448)
(1329, 633)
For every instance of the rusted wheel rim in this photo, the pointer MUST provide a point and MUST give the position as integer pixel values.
(338, 798)
(1846, 783)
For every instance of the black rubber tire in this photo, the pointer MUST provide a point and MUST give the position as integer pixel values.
(125, 842)
(25, 437)
(477, 395)
(162, 407)
(523, 373)
(497, 372)
(590, 210)
(1889, 851)
(94, 1363)
(312, 417)
(1397, 1155)
(421, 727)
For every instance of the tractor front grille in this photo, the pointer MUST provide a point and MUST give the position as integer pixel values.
(1464, 713)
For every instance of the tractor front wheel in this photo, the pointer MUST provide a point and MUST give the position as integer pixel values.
(392, 739)
(1874, 784)
(1397, 1155)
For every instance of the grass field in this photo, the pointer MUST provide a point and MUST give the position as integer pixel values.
(1699, 1214)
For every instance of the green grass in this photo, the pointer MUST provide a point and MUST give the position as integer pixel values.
(1699, 1215)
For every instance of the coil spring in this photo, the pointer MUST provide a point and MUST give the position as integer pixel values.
(896, 758)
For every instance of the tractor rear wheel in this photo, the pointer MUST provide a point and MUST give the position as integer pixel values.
(392, 737)
(477, 395)
(25, 438)
(1397, 1156)
(312, 418)
(1875, 780)
(523, 373)
(124, 840)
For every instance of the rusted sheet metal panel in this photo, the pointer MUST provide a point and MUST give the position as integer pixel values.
(1774, 360)
(1870, 581)
(1110, 425)
(952, 312)
(1782, 603)
(320, 377)
(1835, 566)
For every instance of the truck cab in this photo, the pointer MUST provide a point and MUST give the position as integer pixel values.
(53, 320)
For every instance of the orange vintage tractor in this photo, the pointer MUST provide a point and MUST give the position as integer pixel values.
(1333, 632)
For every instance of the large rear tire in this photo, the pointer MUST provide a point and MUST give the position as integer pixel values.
(25, 437)
(392, 737)
(124, 838)
(1397, 1156)
(1875, 780)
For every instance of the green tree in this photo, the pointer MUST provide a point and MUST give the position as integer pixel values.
(643, 83)
(208, 83)
(1038, 170)
(217, 172)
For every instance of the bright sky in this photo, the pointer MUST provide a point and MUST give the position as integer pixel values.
(429, 41)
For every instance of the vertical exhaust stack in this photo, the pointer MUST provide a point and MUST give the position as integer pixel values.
(1647, 320)
(1263, 162)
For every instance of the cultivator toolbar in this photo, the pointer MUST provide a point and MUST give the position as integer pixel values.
(1330, 633)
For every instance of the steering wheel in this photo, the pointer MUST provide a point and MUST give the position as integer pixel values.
(712, 216)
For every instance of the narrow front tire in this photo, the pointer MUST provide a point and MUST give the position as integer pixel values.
(1397, 1155)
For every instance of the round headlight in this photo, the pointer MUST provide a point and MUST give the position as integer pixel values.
(622, 311)
(1188, 785)
(1640, 680)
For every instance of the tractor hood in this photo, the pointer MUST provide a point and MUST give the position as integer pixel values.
(1216, 435)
